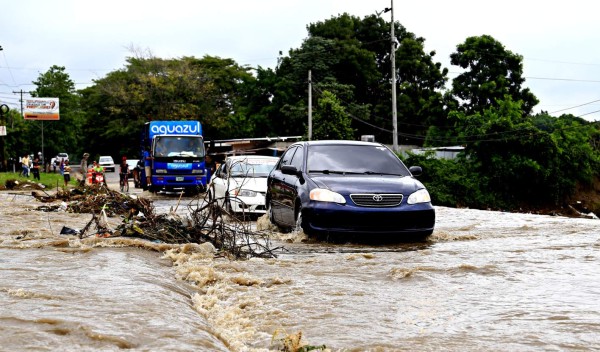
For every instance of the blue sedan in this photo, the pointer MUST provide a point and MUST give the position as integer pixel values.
(348, 187)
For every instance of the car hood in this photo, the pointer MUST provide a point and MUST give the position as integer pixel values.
(258, 184)
(347, 184)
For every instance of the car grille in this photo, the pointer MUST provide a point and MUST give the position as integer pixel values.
(369, 221)
(376, 200)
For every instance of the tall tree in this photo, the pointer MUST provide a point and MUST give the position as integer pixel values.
(331, 120)
(354, 55)
(215, 91)
(491, 72)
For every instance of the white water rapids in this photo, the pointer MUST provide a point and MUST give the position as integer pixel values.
(484, 281)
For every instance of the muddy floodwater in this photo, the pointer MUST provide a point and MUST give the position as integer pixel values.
(485, 281)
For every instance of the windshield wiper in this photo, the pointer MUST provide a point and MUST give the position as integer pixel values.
(334, 172)
(381, 173)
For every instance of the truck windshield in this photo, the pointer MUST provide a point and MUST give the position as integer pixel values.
(181, 146)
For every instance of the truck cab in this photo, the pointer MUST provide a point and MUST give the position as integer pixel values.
(178, 153)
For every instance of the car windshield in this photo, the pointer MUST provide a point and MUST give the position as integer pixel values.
(251, 168)
(106, 160)
(354, 159)
(182, 146)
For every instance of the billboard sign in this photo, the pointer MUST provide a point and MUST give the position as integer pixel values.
(41, 109)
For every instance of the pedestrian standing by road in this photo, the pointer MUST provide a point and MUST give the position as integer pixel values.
(62, 166)
(210, 166)
(36, 169)
(148, 166)
(66, 172)
(25, 165)
(123, 172)
(83, 166)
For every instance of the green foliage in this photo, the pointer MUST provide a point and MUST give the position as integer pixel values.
(354, 54)
(577, 155)
(48, 179)
(331, 121)
(216, 91)
(511, 161)
(453, 183)
(492, 72)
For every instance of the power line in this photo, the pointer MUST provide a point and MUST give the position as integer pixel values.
(577, 106)
(563, 79)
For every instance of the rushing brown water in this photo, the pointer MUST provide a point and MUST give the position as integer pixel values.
(486, 281)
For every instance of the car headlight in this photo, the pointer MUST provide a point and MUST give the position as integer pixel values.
(198, 171)
(325, 195)
(245, 193)
(161, 171)
(420, 196)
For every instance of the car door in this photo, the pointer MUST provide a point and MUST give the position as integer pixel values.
(292, 187)
(278, 188)
(219, 183)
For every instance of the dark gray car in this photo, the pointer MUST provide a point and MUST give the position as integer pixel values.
(348, 187)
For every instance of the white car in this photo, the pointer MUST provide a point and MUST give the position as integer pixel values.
(240, 183)
(107, 163)
(63, 156)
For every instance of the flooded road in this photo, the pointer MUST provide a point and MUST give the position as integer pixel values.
(484, 281)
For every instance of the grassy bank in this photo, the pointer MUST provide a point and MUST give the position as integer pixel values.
(50, 180)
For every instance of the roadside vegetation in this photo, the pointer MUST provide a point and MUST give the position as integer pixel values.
(47, 179)
(514, 159)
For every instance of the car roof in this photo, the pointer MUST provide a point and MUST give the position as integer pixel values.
(337, 142)
(234, 158)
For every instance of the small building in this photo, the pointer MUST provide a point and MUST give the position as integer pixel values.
(441, 152)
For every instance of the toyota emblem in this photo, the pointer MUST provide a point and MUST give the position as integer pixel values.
(378, 198)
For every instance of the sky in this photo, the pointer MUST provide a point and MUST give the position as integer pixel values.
(557, 40)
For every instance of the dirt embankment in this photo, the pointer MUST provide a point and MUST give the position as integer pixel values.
(587, 197)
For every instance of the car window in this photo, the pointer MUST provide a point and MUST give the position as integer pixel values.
(286, 158)
(251, 168)
(298, 158)
(355, 159)
(219, 171)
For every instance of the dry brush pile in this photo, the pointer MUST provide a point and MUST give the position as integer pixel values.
(206, 222)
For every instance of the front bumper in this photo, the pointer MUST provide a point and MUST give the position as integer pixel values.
(405, 219)
(249, 205)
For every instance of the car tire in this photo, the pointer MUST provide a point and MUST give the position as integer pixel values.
(211, 194)
(298, 212)
(270, 212)
(227, 204)
(272, 218)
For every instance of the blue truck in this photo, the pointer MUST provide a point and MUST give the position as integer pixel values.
(178, 153)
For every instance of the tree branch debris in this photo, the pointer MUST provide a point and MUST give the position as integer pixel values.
(206, 222)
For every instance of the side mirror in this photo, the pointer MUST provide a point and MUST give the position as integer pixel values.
(289, 170)
(415, 170)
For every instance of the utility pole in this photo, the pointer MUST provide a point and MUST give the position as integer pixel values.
(394, 107)
(21, 92)
(309, 105)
